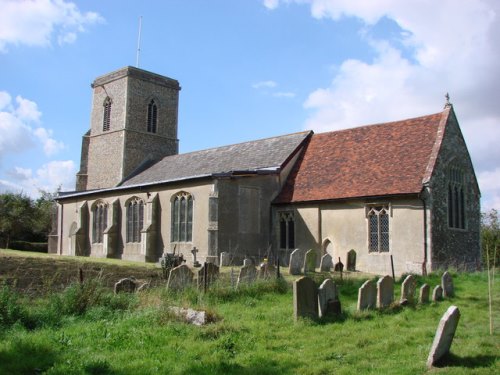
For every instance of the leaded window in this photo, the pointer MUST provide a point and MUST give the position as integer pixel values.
(378, 227)
(106, 119)
(456, 198)
(152, 116)
(287, 230)
(135, 220)
(99, 224)
(182, 218)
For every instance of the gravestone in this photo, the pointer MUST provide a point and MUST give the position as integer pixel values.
(128, 285)
(367, 295)
(437, 293)
(247, 262)
(328, 298)
(339, 267)
(424, 293)
(266, 271)
(194, 251)
(296, 262)
(447, 285)
(180, 277)
(247, 275)
(326, 263)
(212, 272)
(310, 261)
(351, 260)
(225, 259)
(444, 335)
(305, 298)
(385, 291)
(408, 289)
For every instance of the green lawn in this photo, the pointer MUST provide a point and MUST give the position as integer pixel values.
(87, 330)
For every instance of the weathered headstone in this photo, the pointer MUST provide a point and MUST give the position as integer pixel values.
(408, 288)
(327, 296)
(424, 293)
(194, 251)
(437, 293)
(212, 272)
(128, 285)
(339, 267)
(305, 298)
(447, 285)
(351, 260)
(266, 271)
(367, 295)
(247, 275)
(444, 335)
(225, 259)
(310, 261)
(180, 277)
(385, 291)
(248, 262)
(296, 262)
(326, 263)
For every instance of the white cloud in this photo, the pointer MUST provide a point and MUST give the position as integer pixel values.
(50, 145)
(271, 4)
(264, 84)
(27, 110)
(37, 22)
(284, 94)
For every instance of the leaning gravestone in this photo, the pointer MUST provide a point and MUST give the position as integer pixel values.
(310, 261)
(447, 285)
(326, 263)
(266, 271)
(305, 298)
(328, 298)
(408, 288)
(437, 293)
(212, 272)
(247, 275)
(225, 259)
(127, 284)
(424, 294)
(367, 295)
(444, 335)
(180, 277)
(385, 291)
(351, 260)
(296, 262)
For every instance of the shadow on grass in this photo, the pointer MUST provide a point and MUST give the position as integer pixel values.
(452, 360)
(24, 357)
(260, 366)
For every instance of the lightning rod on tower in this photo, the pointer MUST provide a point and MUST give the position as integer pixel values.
(139, 42)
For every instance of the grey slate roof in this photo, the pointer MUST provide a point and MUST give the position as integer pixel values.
(256, 156)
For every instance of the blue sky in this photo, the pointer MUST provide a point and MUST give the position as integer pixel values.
(249, 69)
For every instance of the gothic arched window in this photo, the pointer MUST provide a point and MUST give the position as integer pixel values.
(287, 230)
(99, 223)
(106, 119)
(456, 198)
(182, 218)
(135, 219)
(378, 227)
(152, 116)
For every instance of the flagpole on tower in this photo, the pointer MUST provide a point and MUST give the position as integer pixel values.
(139, 42)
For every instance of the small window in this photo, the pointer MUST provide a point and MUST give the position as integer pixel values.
(152, 116)
(106, 120)
(287, 230)
(456, 198)
(99, 224)
(182, 218)
(378, 229)
(135, 220)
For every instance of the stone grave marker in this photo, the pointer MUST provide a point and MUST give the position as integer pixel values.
(339, 267)
(225, 259)
(437, 293)
(444, 335)
(310, 261)
(247, 262)
(408, 289)
(351, 260)
(212, 272)
(367, 295)
(180, 277)
(328, 298)
(326, 263)
(424, 294)
(128, 285)
(296, 262)
(305, 298)
(194, 251)
(447, 285)
(266, 271)
(385, 291)
(247, 275)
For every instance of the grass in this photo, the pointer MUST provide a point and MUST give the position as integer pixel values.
(88, 330)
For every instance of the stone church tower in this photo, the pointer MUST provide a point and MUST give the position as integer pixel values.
(133, 123)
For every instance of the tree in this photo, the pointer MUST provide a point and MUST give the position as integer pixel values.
(16, 216)
(490, 237)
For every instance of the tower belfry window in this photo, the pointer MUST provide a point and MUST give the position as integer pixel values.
(106, 119)
(152, 116)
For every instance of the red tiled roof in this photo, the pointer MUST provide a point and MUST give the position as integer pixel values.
(369, 161)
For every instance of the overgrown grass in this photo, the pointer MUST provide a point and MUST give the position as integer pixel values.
(88, 330)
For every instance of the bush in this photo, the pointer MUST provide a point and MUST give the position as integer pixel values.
(39, 247)
(11, 310)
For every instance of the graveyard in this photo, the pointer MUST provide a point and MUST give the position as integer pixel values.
(68, 316)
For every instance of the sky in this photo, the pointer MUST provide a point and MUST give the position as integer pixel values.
(249, 69)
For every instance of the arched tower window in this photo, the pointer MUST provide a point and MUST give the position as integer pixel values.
(106, 119)
(135, 219)
(182, 218)
(99, 222)
(152, 116)
(456, 199)
(378, 227)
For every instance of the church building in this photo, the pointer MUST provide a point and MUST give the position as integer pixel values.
(403, 192)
